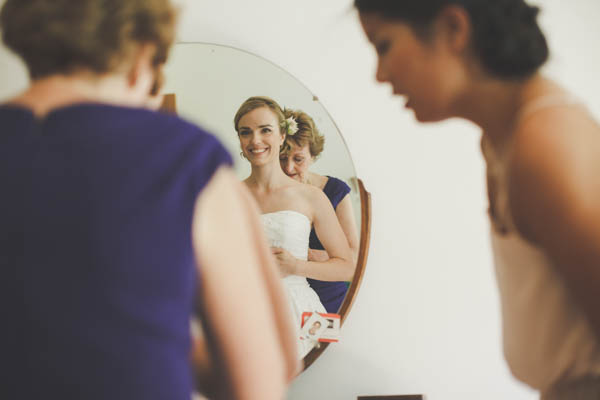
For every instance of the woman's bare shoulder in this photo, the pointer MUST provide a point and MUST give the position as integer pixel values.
(555, 136)
(554, 166)
(305, 197)
(309, 192)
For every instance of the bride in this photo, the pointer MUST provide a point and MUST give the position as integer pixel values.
(290, 209)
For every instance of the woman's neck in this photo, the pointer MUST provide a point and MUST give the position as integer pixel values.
(268, 177)
(495, 104)
(316, 180)
(46, 94)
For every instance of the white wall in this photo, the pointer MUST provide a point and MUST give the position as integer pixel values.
(426, 319)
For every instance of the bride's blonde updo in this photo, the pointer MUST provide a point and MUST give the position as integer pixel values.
(255, 102)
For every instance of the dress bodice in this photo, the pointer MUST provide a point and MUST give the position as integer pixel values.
(289, 230)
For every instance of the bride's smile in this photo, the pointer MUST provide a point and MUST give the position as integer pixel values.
(260, 136)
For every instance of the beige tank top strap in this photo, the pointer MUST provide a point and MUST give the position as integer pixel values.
(547, 101)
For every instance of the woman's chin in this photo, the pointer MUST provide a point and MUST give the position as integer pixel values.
(260, 161)
(429, 114)
(425, 117)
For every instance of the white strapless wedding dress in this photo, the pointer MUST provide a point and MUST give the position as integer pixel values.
(290, 230)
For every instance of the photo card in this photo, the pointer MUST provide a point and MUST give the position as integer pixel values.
(323, 327)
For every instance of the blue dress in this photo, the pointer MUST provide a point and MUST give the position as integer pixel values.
(331, 293)
(98, 271)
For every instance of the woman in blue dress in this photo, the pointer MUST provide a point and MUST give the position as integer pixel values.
(298, 154)
(118, 222)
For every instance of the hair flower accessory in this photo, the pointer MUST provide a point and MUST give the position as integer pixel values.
(291, 126)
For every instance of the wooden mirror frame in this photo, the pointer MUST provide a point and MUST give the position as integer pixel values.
(169, 104)
(361, 263)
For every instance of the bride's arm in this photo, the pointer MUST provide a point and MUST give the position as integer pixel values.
(345, 215)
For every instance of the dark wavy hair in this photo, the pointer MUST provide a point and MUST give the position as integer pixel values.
(506, 36)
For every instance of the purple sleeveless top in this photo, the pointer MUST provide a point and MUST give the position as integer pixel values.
(98, 273)
(331, 293)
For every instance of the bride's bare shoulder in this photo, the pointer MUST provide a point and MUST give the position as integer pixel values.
(314, 197)
(303, 189)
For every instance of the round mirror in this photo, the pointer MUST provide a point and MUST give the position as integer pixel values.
(207, 83)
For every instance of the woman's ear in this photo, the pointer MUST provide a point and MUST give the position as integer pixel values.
(455, 25)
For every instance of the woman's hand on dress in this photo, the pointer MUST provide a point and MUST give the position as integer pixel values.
(288, 264)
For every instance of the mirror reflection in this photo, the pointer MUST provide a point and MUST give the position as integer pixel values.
(299, 152)
(290, 208)
(292, 158)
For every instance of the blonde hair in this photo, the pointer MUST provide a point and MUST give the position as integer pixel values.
(307, 134)
(60, 36)
(252, 103)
